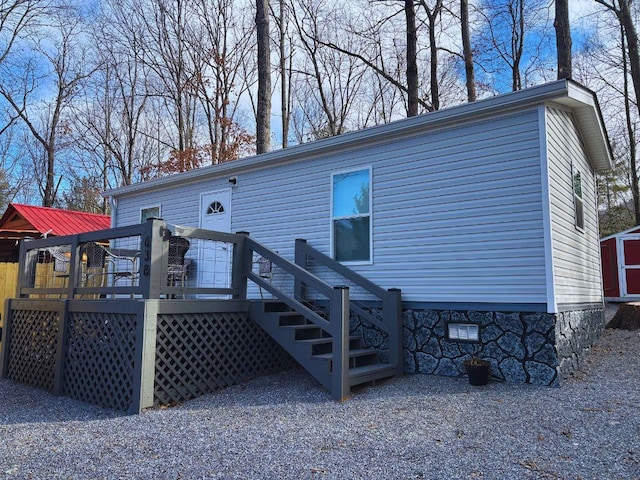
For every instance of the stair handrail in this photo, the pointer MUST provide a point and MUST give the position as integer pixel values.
(299, 274)
(337, 325)
(391, 322)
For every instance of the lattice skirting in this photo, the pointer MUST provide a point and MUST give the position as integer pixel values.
(199, 353)
(33, 352)
(109, 353)
(99, 364)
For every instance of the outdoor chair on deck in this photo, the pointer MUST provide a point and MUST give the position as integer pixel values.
(178, 265)
(265, 270)
(94, 254)
(61, 263)
(94, 260)
(123, 264)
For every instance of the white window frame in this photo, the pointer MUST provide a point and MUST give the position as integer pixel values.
(370, 215)
(578, 200)
(151, 207)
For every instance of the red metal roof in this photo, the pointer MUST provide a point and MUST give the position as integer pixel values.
(51, 221)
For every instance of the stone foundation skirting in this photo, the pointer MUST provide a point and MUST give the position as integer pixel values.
(576, 332)
(537, 348)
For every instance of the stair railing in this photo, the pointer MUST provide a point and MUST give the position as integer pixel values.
(337, 325)
(391, 322)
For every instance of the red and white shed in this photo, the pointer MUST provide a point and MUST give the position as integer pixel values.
(620, 257)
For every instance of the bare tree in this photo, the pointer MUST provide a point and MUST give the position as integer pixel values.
(15, 178)
(285, 67)
(15, 17)
(263, 112)
(219, 49)
(515, 36)
(622, 11)
(433, 15)
(631, 66)
(116, 133)
(635, 190)
(329, 81)
(163, 31)
(398, 61)
(65, 58)
(378, 50)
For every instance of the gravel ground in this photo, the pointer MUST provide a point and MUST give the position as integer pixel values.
(286, 426)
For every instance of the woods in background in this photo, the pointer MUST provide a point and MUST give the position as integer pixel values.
(100, 94)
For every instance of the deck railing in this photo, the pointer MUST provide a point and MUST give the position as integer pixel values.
(132, 261)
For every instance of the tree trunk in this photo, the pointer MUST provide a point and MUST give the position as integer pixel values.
(627, 317)
(48, 197)
(624, 15)
(263, 108)
(628, 32)
(563, 38)
(518, 45)
(284, 92)
(412, 59)
(635, 192)
(433, 50)
(467, 52)
(432, 16)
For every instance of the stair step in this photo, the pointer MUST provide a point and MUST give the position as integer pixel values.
(369, 373)
(286, 319)
(271, 306)
(324, 345)
(312, 346)
(357, 358)
(359, 352)
(307, 332)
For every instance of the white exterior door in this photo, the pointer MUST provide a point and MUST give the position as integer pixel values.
(214, 258)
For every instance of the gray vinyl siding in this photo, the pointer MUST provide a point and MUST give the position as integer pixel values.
(457, 212)
(576, 255)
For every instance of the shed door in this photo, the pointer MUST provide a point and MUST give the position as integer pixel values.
(629, 261)
(609, 268)
(214, 258)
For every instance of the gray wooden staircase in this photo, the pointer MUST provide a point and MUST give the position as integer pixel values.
(319, 339)
(312, 347)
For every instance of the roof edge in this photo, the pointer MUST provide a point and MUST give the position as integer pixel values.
(623, 232)
(560, 89)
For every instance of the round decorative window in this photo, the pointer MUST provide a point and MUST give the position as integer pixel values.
(215, 207)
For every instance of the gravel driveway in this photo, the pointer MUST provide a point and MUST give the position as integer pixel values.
(286, 426)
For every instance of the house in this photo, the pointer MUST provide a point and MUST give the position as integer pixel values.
(484, 215)
(620, 254)
(28, 221)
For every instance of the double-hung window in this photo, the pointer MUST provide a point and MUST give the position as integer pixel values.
(578, 203)
(351, 216)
